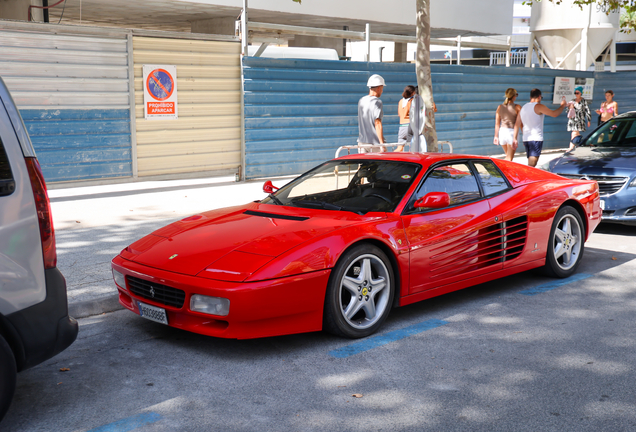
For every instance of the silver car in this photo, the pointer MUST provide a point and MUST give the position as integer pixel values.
(34, 321)
(607, 155)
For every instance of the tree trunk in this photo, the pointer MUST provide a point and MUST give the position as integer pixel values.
(423, 69)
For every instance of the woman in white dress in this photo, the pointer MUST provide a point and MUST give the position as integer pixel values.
(505, 118)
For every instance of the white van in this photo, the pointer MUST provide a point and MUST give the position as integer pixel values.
(34, 321)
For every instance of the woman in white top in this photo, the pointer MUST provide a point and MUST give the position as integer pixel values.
(505, 118)
(417, 117)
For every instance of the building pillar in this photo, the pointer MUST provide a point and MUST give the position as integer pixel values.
(221, 26)
(317, 42)
(530, 50)
(399, 52)
(584, 59)
(19, 10)
(613, 54)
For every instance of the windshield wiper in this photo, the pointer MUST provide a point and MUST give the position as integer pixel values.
(324, 205)
(276, 200)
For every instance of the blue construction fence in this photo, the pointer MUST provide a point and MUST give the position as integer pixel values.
(81, 144)
(298, 112)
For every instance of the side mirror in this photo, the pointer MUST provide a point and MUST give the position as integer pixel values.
(433, 200)
(269, 188)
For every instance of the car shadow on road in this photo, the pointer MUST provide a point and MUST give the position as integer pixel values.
(616, 229)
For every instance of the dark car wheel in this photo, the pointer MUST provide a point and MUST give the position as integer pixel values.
(360, 293)
(7, 376)
(566, 244)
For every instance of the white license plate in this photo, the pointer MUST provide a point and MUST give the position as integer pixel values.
(152, 313)
(602, 205)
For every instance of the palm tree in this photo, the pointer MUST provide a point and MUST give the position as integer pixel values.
(423, 69)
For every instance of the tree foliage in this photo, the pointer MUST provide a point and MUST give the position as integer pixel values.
(627, 7)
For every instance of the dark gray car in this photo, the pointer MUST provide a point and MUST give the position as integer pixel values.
(607, 155)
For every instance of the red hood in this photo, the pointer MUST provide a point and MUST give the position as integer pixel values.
(252, 235)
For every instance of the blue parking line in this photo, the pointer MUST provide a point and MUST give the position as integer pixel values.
(383, 339)
(552, 285)
(129, 423)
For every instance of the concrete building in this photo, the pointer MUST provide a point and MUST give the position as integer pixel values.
(449, 18)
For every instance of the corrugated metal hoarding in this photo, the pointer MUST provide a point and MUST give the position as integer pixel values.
(622, 83)
(298, 112)
(73, 94)
(206, 138)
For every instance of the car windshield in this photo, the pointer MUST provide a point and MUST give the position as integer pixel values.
(616, 132)
(359, 186)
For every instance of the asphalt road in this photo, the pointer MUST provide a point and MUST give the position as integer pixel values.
(524, 353)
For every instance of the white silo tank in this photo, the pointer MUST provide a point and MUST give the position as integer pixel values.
(558, 28)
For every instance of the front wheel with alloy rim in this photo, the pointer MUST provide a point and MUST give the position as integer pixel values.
(566, 243)
(360, 292)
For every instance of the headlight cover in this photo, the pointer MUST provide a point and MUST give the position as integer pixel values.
(119, 278)
(210, 305)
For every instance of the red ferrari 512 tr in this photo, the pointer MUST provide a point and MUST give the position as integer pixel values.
(342, 244)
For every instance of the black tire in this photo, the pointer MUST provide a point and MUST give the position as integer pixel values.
(363, 283)
(566, 243)
(7, 376)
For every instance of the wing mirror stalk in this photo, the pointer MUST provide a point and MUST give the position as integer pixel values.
(269, 188)
(433, 200)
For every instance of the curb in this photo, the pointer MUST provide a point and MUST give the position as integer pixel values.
(97, 306)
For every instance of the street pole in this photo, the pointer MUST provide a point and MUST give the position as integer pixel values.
(244, 37)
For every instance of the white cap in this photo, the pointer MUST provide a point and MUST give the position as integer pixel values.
(375, 80)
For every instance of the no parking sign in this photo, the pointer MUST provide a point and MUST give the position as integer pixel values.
(160, 92)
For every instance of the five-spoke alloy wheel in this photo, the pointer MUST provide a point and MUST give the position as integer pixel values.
(566, 244)
(360, 292)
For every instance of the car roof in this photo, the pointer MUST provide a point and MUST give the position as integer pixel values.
(628, 114)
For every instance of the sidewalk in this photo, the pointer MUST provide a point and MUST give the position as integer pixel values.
(94, 223)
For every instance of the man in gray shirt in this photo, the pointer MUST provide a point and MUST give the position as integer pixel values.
(370, 113)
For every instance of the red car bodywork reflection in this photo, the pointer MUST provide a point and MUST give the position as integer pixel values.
(273, 263)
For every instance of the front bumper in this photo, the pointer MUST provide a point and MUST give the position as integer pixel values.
(620, 207)
(257, 309)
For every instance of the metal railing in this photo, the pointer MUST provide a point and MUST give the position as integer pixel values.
(367, 36)
(440, 144)
(516, 58)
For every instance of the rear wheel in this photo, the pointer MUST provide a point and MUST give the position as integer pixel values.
(566, 244)
(7, 376)
(360, 293)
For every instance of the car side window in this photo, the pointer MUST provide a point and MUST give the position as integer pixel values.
(457, 180)
(631, 133)
(7, 185)
(492, 180)
(621, 132)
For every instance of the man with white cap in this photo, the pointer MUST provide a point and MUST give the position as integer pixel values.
(370, 113)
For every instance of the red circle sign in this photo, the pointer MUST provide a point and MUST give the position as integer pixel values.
(160, 84)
